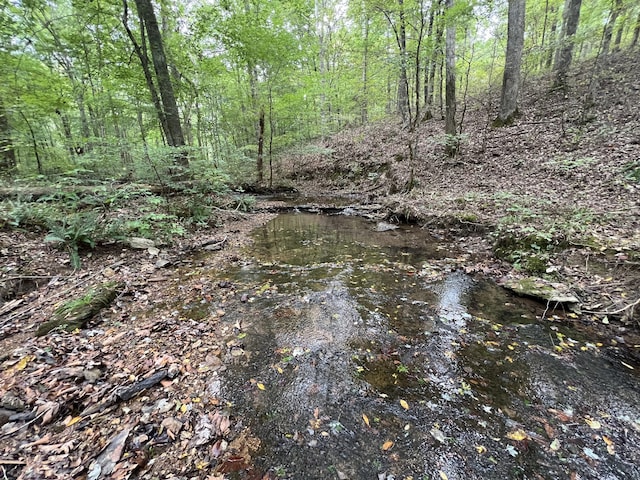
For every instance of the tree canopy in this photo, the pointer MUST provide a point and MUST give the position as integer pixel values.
(84, 88)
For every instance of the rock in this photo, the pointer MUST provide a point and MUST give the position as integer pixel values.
(141, 243)
(384, 227)
(542, 290)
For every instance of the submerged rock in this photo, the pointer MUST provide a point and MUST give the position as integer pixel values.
(542, 290)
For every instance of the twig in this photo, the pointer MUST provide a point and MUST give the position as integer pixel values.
(615, 312)
(27, 277)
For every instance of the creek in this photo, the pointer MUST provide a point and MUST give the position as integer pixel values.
(359, 354)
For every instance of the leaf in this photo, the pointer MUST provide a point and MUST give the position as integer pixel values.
(73, 421)
(594, 424)
(555, 445)
(481, 449)
(611, 448)
(438, 435)
(517, 435)
(261, 386)
(366, 420)
(443, 475)
(404, 404)
(387, 445)
(22, 364)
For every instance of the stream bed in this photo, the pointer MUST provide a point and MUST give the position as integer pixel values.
(364, 354)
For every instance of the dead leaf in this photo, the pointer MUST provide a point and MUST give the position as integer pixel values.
(555, 445)
(366, 420)
(261, 386)
(517, 435)
(594, 424)
(404, 404)
(438, 435)
(443, 475)
(387, 445)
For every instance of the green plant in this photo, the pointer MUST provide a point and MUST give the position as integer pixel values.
(244, 203)
(73, 233)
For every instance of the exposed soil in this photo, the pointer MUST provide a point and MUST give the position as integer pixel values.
(563, 177)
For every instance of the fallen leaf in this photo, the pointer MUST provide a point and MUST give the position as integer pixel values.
(261, 386)
(555, 445)
(438, 435)
(517, 435)
(611, 448)
(481, 449)
(72, 421)
(21, 365)
(443, 475)
(366, 420)
(404, 404)
(594, 424)
(387, 445)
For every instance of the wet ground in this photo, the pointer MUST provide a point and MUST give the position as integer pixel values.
(359, 354)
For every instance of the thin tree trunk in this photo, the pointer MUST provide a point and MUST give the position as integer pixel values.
(403, 83)
(141, 53)
(554, 29)
(175, 137)
(608, 29)
(34, 142)
(511, 77)
(450, 87)
(636, 32)
(260, 162)
(364, 113)
(570, 19)
(7, 150)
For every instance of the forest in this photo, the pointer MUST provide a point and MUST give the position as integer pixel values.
(109, 90)
(329, 239)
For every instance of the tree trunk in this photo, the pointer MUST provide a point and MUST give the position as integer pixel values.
(450, 86)
(511, 78)
(636, 32)
(403, 81)
(616, 8)
(260, 162)
(175, 137)
(364, 110)
(570, 19)
(7, 150)
(554, 28)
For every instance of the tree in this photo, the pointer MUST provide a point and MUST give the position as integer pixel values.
(7, 150)
(616, 9)
(570, 19)
(511, 78)
(450, 84)
(175, 137)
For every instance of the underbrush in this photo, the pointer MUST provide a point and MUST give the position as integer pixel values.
(79, 221)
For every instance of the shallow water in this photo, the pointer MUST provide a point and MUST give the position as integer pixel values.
(366, 355)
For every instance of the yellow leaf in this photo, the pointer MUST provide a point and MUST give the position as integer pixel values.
(366, 420)
(594, 424)
(517, 435)
(73, 421)
(481, 449)
(279, 369)
(404, 404)
(607, 440)
(184, 407)
(387, 445)
(443, 475)
(21, 365)
(260, 386)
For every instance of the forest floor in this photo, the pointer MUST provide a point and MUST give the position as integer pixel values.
(555, 196)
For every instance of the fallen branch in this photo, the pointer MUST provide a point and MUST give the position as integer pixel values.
(614, 312)
(122, 394)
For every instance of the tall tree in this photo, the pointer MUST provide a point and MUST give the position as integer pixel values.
(7, 150)
(175, 137)
(450, 83)
(570, 19)
(616, 9)
(513, 61)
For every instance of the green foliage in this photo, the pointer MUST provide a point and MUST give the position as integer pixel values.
(20, 213)
(243, 203)
(74, 232)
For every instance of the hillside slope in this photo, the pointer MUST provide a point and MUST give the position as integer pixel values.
(560, 185)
